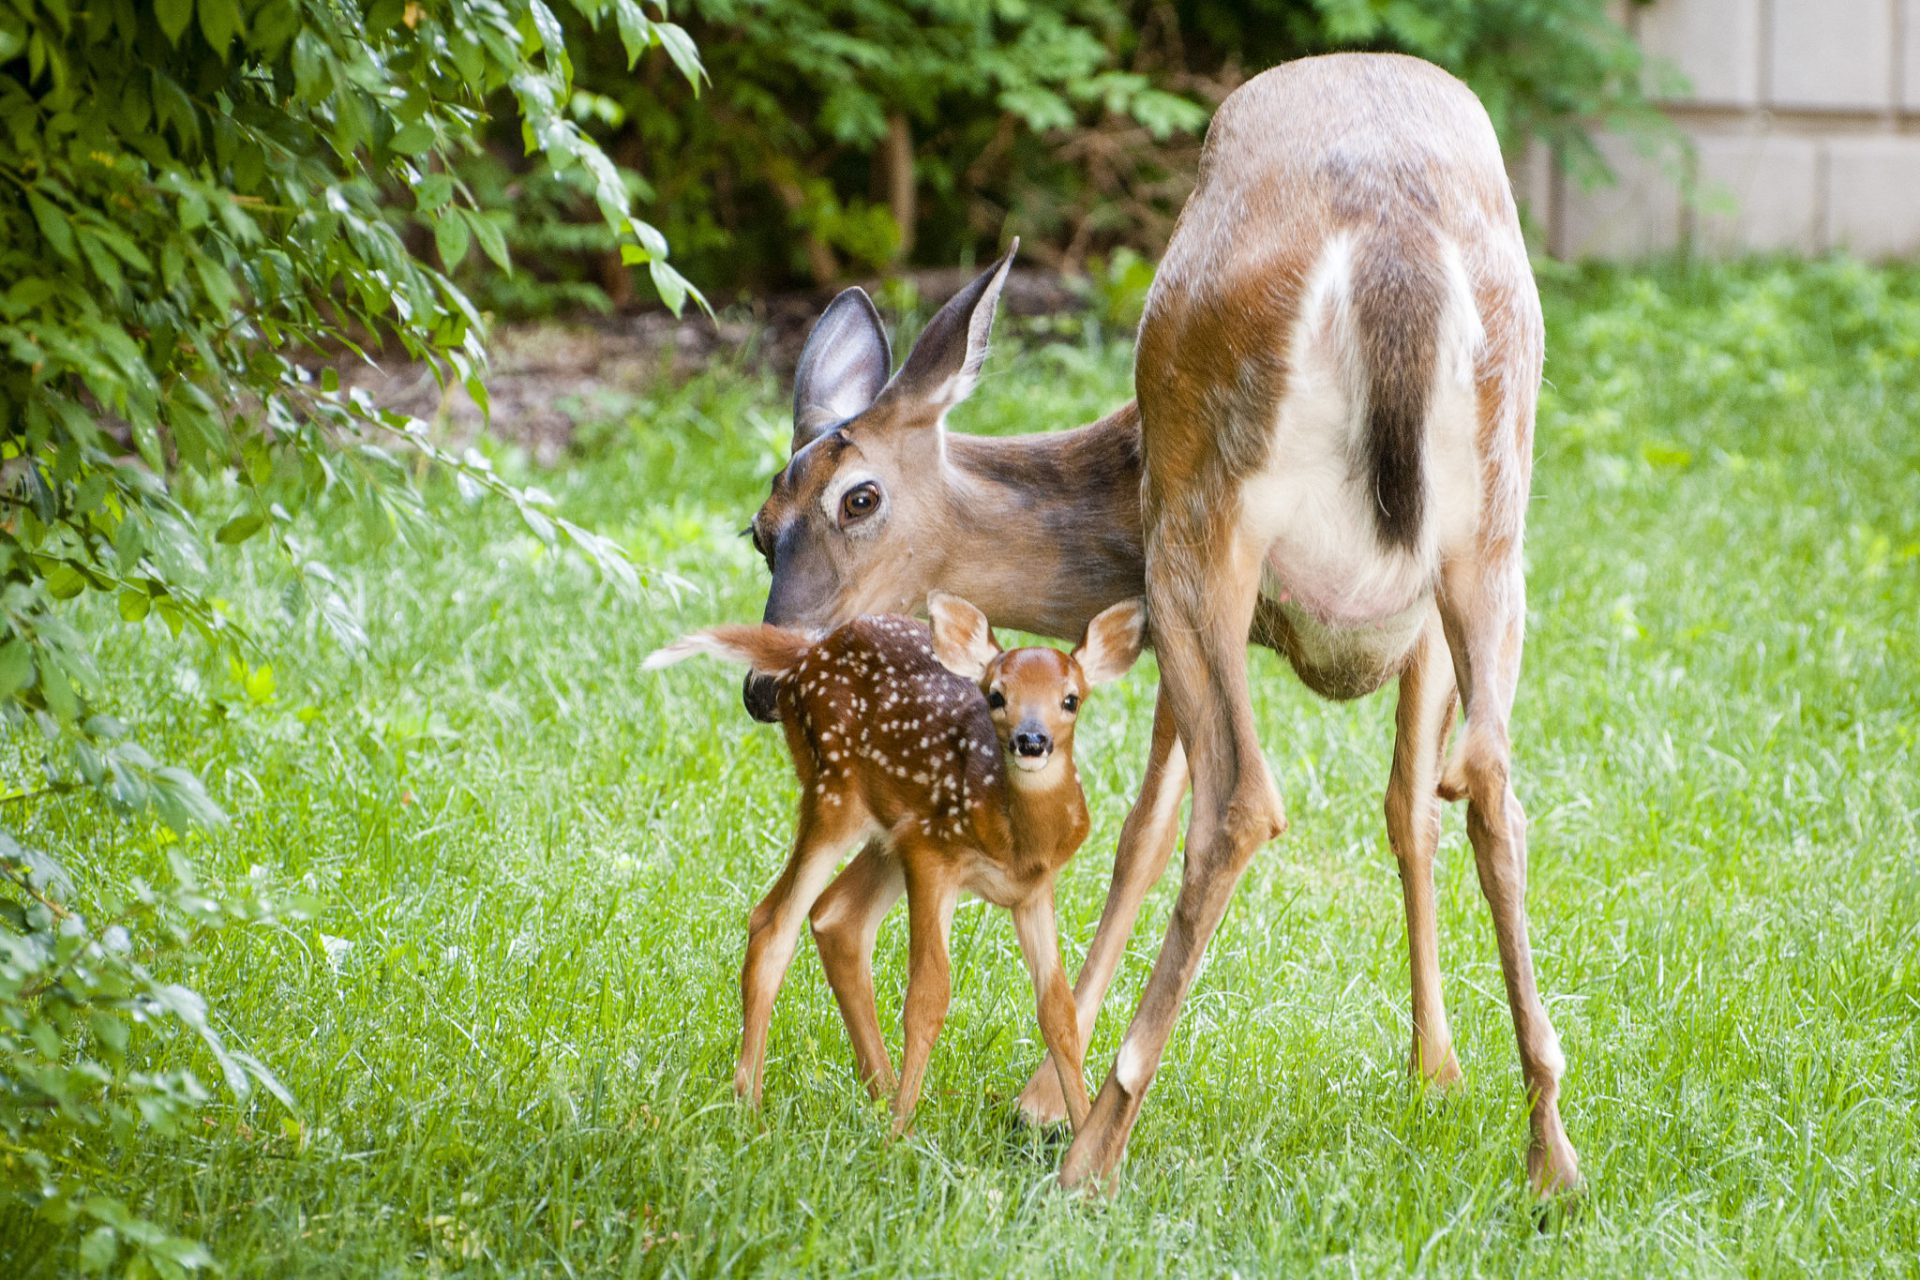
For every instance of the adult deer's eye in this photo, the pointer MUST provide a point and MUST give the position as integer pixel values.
(859, 502)
(996, 699)
(1072, 703)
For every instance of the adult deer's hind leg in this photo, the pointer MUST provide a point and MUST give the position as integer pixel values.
(1483, 602)
(1200, 623)
(1424, 715)
(1146, 842)
(846, 920)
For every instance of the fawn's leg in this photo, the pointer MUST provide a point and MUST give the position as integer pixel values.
(932, 894)
(774, 927)
(846, 920)
(1146, 842)
(1200, 624)
(1421, 722)
(1033, 921)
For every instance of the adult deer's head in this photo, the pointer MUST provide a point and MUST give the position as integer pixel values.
(856, 519)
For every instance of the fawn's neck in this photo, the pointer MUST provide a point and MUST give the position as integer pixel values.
(1047, 811)
(1046, 529)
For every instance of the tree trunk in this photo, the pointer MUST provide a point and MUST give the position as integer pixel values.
(898, 161)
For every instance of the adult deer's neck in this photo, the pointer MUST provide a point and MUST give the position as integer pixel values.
(1045, 529)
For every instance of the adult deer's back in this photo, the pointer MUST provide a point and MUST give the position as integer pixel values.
(1344, 289)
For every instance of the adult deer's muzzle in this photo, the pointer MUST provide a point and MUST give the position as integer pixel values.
(760, 694)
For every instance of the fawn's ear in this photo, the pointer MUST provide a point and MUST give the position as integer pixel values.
(1114, 639)
(962, 640)
(945, 363)
(842, 368)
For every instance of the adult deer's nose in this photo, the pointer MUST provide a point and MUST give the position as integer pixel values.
(760, 693)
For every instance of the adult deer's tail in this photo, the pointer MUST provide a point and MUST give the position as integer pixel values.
(771, 651)
(1400, 291)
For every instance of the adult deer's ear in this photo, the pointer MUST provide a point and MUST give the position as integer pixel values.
(1114, 639)
(945, 363)
(962, 640)
(842, 368)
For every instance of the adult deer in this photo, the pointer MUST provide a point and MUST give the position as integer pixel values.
(1330, 456)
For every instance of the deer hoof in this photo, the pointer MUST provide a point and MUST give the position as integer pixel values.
(1041, 1102)
(1553, 1170)
(1436, 1068)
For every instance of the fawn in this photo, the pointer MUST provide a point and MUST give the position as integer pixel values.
(953, 760)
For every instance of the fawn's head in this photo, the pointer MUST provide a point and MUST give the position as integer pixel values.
(852, 507)
(1035, 693)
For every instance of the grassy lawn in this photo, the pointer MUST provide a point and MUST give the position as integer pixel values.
(509, 1025)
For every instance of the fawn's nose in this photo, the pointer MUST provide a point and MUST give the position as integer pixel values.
(1031, 743)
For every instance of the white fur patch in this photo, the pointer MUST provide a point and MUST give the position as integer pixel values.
(691, 646)
(1130, 1069)
(1312, 505)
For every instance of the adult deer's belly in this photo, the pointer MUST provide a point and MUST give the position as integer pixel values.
(1345, 611)
(1344, 658)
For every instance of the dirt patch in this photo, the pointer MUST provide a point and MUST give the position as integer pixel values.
(548, 377)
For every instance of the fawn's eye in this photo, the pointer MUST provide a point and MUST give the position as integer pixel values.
(859, 502)
(760, 544)
(996, 699)
(1072, 703)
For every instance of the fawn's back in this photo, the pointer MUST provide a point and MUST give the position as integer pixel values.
(874, 721)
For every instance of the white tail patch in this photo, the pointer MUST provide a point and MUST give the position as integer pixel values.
(692, 646)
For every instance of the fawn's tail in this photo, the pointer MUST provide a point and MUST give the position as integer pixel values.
(769, 650)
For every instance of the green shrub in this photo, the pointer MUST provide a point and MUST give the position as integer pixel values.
(191, 203)
(852, 136)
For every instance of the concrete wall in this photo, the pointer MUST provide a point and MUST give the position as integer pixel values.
(1805, 119)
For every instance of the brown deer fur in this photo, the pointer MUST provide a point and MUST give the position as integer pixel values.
(956, 760)
(1330, 456)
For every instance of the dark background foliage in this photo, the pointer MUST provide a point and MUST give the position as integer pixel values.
(850, 137)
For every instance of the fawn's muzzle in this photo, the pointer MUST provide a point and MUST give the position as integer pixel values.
(760, 693)
(1030, 747)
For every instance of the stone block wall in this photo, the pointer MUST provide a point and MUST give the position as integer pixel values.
(1804, 116)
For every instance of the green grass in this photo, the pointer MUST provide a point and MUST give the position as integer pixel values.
(542, 861)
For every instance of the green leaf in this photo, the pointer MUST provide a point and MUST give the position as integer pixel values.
(64, 582)
(493, 242)
(450, 237)
(57, 689)
(432, 191)
(219, 22)
(173, 15)
(134, 604)
(53, 225)
(636, 29)
(16, 667)
(413, 139)
(97, 1250)
(239, 529)
(680, 47)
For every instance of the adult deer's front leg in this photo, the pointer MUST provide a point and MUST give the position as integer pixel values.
(846, 920)
(1421, 722)
(1201, 613)
(1146, 842)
